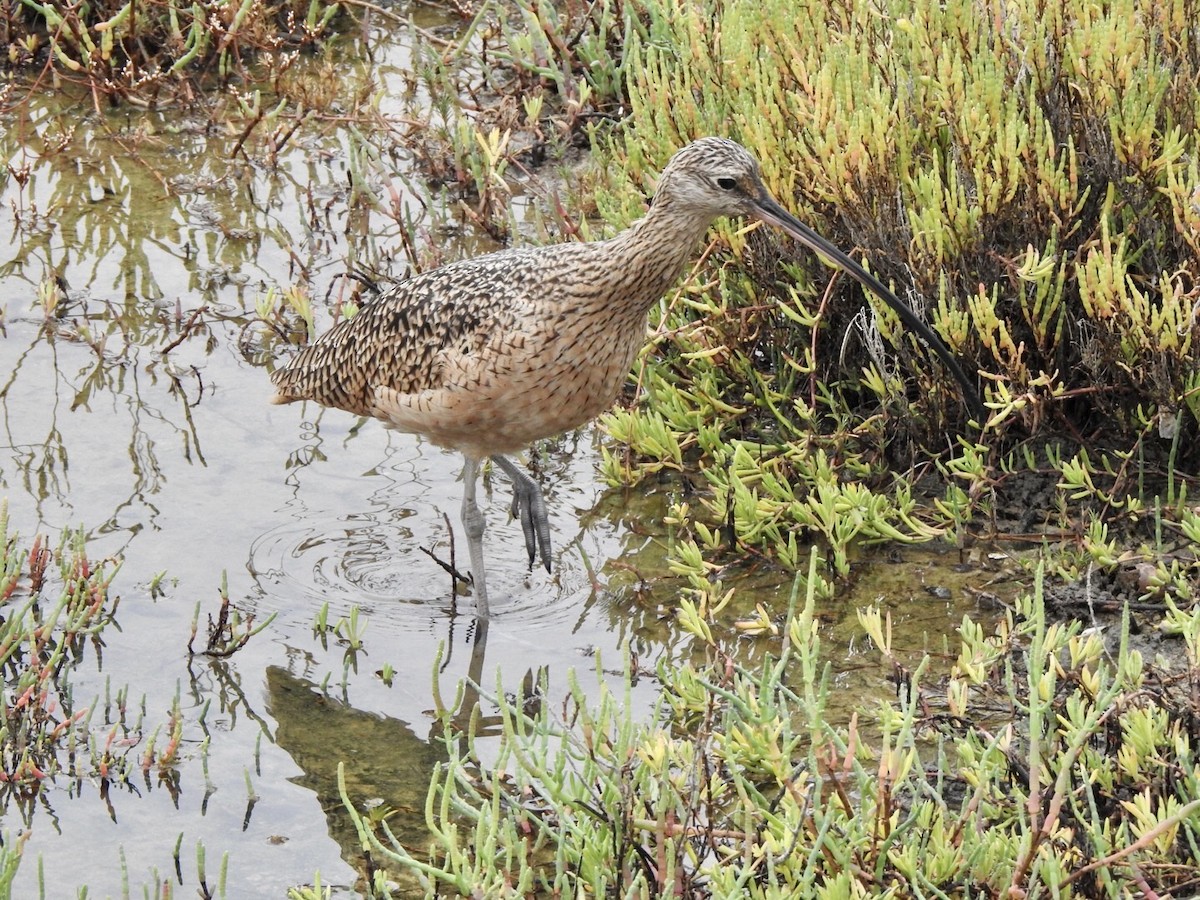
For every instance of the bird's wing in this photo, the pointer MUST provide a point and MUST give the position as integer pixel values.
(426, 333)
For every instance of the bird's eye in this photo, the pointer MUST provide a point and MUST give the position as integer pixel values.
(726, 183)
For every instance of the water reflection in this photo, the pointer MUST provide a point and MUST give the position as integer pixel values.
(386, 761)
(60, 398)
(98, 209)
(137, 249)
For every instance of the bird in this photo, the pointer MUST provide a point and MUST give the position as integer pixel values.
(488, 354)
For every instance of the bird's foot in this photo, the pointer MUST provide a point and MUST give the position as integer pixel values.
(529, 506)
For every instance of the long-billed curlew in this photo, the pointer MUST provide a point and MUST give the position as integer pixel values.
(490, 354)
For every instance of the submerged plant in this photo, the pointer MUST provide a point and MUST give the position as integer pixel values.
(230, 631)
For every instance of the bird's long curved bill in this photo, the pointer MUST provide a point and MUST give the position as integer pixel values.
(774, 214)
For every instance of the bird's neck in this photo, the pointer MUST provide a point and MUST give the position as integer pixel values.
(654, 251)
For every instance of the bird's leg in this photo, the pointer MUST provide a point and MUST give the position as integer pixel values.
(473, 525)
(529, 506)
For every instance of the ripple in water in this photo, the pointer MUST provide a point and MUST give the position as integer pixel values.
(373, 560)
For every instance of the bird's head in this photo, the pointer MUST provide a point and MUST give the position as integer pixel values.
(712, 177)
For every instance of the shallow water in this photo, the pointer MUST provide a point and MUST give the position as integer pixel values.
(174, 460)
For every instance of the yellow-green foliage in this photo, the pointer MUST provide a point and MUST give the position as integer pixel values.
(1029, 170)
(1047, 762)
(1024, 173)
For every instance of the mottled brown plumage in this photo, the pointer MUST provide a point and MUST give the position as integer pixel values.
(490, 354)
(487, 355)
